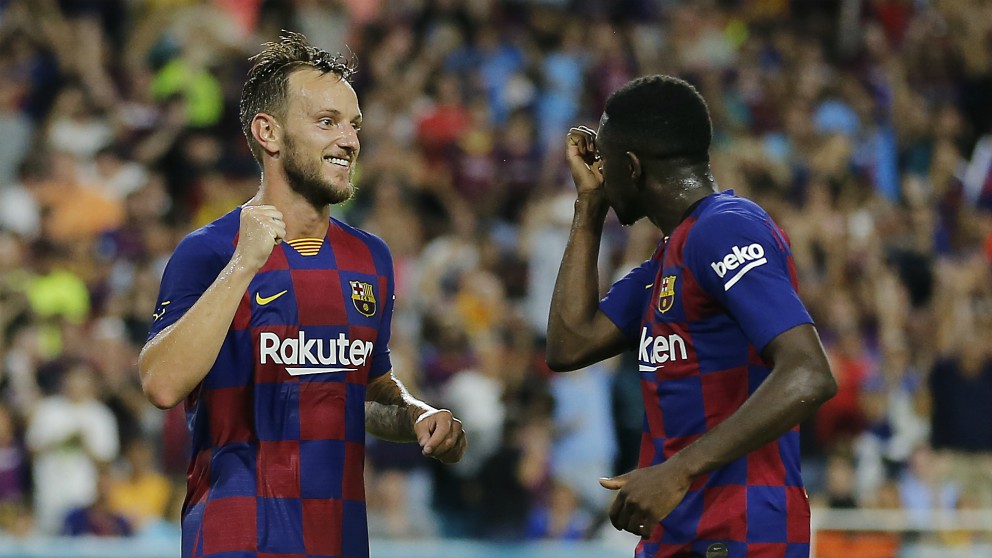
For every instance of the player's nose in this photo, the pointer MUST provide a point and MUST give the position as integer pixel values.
(349, 138)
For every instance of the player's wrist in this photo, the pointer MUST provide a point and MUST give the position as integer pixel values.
(417, 413)
(591, 204)
(592, 195)
(684, 465)
(242, 264)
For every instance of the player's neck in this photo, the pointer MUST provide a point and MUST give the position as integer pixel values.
(677, 192)
(302, 219)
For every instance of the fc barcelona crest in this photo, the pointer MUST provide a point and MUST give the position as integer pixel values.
(666, 294)
(363, 297)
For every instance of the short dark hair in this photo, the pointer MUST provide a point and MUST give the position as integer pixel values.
(660, 116)
(265, 88)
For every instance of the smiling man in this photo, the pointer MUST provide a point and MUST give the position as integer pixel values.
(273, 326)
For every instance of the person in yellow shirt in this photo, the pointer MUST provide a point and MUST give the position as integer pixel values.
(142, 493)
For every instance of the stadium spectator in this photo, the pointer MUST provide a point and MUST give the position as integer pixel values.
(97, 519)
(561, 518)
(15, 474)
(71, 435)
(139, 493)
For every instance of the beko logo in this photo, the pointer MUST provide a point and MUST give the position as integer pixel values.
(741, 259)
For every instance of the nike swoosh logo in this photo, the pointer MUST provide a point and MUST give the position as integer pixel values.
(648, 368)
(263, 301)
(299, 371)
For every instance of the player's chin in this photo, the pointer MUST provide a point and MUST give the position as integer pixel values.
(338, 177)
(626, 218)
(341, 192)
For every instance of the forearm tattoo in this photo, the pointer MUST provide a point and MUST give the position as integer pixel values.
(389, 422)
(390, 410)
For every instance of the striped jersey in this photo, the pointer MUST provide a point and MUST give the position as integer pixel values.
(699, 313)
(278, 423)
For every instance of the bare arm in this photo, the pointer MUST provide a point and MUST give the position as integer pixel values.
(800, 381)
(579, 334)
(391, 413)
(390, 410)
(176, 360)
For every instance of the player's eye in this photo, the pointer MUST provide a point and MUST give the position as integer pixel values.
(326, 122)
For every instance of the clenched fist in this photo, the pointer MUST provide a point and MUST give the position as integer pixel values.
(261, 229)
(440, 436)
(584, 160)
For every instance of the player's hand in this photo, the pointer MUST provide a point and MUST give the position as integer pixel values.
(261, 229)
(645, 497)
(584, 160)
(441, 435)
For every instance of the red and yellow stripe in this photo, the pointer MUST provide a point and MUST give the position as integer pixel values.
(306, 246)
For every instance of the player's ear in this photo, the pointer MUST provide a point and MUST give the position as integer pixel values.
(634, 167)
(266, 131)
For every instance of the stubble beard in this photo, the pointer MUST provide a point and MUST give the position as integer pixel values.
(626, 218)
(305, 177)
(624, 209)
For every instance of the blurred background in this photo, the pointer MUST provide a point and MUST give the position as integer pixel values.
(863, 126)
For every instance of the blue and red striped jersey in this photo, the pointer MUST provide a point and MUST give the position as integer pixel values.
(278, 423)
(699, 313)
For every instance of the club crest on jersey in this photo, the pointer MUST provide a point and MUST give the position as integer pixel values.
(666, 294)
(363, 297)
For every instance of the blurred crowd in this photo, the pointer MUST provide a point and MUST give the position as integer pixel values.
(863, 126)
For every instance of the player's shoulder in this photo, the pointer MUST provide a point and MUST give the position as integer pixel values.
(725, 215)
(214, 238)
(376, 245)
(727, 208)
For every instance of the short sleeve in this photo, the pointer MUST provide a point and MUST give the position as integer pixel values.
(192, 268)
(626, 300)
(381, 362)
(743, 260)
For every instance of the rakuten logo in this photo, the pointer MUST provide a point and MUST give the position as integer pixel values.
(656, 351)
(744, 258)
(333, 355)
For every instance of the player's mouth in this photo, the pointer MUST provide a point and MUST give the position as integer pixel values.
(339, 161)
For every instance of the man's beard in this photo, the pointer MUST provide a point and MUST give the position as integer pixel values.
(306, 179)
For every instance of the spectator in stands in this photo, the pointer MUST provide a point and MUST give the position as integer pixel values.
(560, 518)
(98, 518)
(71, 436)
(583, 434)
(840, 490)
(925, 486)
(140, 493)
(15, 476)
(962, 388)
